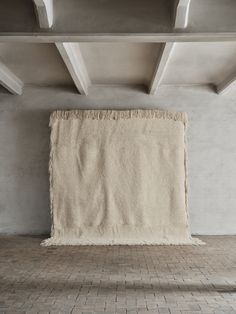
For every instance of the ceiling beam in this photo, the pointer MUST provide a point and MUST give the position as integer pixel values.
(181, 21)
(226, 84)
(52, 37)
(182, 13)
(71, 54)
(44, 10)
(10, 81)
(161, 67)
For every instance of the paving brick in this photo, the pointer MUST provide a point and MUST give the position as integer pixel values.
(117, 279)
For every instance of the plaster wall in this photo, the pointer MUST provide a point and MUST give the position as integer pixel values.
(24, 151)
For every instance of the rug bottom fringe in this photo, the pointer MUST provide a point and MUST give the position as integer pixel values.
(80, 242)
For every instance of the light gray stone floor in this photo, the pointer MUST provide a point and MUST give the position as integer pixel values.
(118, 279)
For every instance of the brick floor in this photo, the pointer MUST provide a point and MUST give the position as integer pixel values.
(118, 279)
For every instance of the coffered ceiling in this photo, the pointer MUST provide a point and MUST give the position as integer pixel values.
(132, 42)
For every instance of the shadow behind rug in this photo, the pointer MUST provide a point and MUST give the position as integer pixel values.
(118, 177)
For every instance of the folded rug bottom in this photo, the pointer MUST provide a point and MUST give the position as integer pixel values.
(118, 177)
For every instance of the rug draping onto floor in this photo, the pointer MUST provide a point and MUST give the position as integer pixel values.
(118, 177)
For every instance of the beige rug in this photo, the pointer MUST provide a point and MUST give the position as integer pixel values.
(118, 177)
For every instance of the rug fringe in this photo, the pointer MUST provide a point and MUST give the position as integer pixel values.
(117, 114)
(58, 242)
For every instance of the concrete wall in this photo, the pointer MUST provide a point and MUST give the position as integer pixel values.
(24, 143)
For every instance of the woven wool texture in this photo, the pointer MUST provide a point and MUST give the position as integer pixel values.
(118, 177)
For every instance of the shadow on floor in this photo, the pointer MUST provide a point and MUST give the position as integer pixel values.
(111, 287)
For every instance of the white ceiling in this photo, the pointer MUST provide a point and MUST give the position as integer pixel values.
(94, 16)
(120, 16)
(38, 64)
(118, 63)
(122, 63)
(212, 15)
(200, 63)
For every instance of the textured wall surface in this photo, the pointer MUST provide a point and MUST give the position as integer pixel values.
(24, 143)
